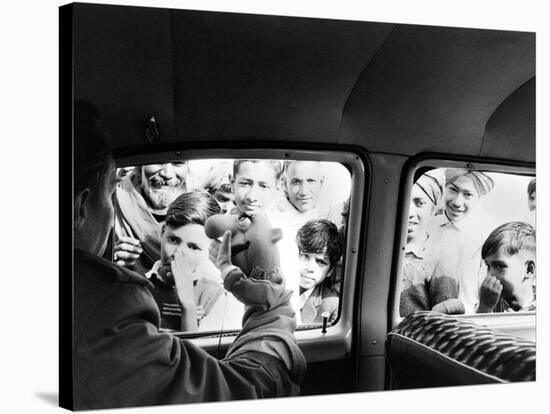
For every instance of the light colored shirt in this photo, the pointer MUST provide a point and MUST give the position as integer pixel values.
(461, 244)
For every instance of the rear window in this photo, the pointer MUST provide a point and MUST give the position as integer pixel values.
(162, 208)
(469, 244)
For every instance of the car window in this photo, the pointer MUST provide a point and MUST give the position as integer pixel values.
(162, 209)
(470, 242)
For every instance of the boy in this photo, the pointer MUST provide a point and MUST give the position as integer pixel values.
(255, 185)
(429, 281)
(509, 253)
(194, 299)
(320, 248)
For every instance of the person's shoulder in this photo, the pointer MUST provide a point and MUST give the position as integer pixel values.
(105, 270)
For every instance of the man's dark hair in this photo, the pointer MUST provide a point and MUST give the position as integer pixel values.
(276, 165)
(92, 151)
(514, 237)
(191, 208)
(320, 237)
(532, 186)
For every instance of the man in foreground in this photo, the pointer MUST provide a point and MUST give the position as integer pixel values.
(120, 357)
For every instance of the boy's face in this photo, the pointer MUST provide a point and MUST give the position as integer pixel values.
(190, 238)
(461, 197)
(420, 212)
(532, 201)
(255, 186)
(303, 184)
(516, 273)
(314, 268)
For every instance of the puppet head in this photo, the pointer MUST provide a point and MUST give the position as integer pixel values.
(253, 243)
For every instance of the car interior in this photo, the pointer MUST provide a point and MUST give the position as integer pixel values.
(378, 105)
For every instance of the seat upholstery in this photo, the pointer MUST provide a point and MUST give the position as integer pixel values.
(429, 349)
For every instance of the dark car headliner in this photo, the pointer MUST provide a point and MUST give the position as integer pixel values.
(224, 77)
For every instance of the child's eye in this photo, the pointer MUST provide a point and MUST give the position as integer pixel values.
(264, 187)
(321, 262)
(173, 240)
(420, 203)
(193, 246)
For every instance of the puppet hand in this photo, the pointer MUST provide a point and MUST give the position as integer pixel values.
(223, 256)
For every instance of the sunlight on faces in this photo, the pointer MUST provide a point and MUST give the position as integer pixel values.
(421, 210)
(461, 198)
(255, 187)
(163, 183)
(516, 272)
(190, 239)
(314, 268)
(303, 182)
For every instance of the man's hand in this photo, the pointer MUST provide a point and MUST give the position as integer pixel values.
(489, 294)
(127, 251)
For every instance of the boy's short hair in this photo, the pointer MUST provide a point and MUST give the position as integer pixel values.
(277, 167)
(532, 186)
(191, 208)
(513, 237)
(288, 163)
(320, 236)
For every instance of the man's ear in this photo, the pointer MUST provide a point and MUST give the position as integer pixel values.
(81, 205)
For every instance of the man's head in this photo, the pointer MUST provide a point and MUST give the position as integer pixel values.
(184, 227)
(303, 181)
(532, 195)
(218, 184)
(320, 247)
(255, 184)
(162, 183)
(463, 189)
(94, 181)
(425, 198)
(510, 255)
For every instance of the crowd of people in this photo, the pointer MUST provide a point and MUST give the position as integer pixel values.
(121, 357)
(158, 212)
(450, 265)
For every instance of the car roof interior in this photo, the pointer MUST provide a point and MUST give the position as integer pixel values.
(221, 77)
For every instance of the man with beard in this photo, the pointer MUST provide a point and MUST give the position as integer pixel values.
(142, 199)
(119, 356)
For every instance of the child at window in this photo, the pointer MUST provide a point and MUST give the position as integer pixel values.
(429, 274)
(255, 185)
(192, 298)
(509, 253)
(320, 247)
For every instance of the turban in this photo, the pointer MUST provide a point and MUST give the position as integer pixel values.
(432, 183)
(482, 182)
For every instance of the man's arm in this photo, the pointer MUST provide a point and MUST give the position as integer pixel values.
(129, 362)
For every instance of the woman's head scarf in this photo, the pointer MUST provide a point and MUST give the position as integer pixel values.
(482, 182)
(432, 183)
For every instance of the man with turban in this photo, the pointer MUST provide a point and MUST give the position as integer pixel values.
(428, 282)
(460, 241)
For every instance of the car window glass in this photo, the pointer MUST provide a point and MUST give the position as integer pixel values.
(161, 209)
